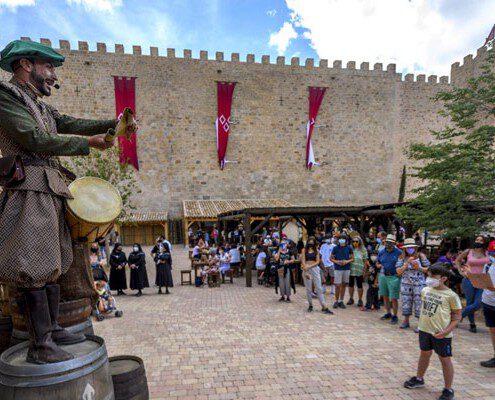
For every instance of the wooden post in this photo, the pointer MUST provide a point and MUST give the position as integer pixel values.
(165, 226)
(247, 244)
(223, 229)
(186, 235)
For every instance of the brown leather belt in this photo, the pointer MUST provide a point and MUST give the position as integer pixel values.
(40, 162)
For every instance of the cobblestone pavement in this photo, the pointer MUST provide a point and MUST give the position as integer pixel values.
(235, 342)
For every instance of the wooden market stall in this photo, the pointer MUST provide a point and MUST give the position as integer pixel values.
(143, 227)
(201, 213)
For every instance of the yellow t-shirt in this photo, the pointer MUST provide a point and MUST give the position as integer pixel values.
(436, 308)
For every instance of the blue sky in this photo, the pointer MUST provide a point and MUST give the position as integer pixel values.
(420, 36)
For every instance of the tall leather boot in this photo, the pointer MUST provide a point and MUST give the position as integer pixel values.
(59, 334)
(42, 349)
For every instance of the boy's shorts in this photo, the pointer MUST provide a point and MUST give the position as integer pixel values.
(389, 286)
(489, 313)
(427, 342)
(341, 277)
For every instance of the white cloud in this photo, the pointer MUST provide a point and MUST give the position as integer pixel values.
(271, 13)
(97, 5)
(282, 38)
(421, 36)
(13, 4)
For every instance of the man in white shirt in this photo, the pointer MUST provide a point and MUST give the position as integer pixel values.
(325, 253)
(260, 260)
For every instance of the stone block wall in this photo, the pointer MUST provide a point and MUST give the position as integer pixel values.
(470, 67)
(367, 117)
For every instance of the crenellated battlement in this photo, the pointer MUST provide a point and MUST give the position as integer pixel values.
(470, 67)
(281, 61)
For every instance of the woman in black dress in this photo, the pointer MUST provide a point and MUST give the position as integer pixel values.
(117, 263)
(137, 264)
(163, 261)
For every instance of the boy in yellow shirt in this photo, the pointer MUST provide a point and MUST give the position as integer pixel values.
(440, 314)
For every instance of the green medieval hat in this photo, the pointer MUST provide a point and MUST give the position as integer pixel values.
(27, 49)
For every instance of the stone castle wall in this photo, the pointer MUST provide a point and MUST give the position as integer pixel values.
(368, 116)
(470, 68)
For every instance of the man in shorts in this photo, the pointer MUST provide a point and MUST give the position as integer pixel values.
(342, 257)
(440, 314)
(389, 282)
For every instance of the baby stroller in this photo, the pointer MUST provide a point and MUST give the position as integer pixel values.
(106, 303)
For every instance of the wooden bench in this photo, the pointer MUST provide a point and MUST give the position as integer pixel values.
(188, 275)
(230, 274)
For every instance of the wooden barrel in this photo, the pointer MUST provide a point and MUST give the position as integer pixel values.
(5, 332)
(129, 378)
(71, 313)
(87, 376)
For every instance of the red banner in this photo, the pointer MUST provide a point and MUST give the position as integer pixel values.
(225, 90)
(125, 96)
(315, 98)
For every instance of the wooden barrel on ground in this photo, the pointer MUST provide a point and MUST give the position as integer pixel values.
(74, 315)
(5, 332)
(87, 376)
(129, 378)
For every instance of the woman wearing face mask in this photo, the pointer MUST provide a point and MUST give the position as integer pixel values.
(164, 269)
(476, 258)
(310, 264)
(412, 267)
(118, 260)
(97, 262)
(137, 264)
(284, 259)
(359, 266)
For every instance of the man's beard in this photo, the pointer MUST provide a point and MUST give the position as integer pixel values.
(39, 83)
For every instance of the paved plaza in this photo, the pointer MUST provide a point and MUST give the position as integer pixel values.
(235, 342)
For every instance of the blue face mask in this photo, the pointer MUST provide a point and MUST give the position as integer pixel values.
(341, 241)
(410, 251)
(379, 241)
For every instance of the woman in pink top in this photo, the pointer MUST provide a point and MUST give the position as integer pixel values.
(476, 258)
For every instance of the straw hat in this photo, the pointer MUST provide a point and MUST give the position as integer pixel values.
(409, 243)
(391, 239)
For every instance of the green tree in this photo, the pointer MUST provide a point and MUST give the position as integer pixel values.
(106, 165)
(402, 188)
(457, 170)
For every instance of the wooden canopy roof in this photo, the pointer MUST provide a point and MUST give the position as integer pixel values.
(145, 217)
(210, 209)
(301, 210)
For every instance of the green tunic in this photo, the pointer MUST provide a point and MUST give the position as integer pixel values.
(17, 123)
(34, 236)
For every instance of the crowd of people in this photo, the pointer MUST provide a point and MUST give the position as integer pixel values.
(396, 273)
(398, 276)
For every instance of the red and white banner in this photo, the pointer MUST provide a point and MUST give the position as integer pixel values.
(125, 96)
(225, 90)
(315, 97)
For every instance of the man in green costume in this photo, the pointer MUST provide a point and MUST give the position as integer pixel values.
(35, 241)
